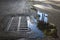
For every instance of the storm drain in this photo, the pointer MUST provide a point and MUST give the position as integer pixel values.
(17, 24)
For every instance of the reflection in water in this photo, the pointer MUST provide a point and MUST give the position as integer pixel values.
(35, 30)
(32, 24)
(43, 16)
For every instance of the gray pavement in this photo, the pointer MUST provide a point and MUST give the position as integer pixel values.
(23, 6)
(14, 6)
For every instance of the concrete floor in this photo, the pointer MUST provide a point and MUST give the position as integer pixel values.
(23, 6)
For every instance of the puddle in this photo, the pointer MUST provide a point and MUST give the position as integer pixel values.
(32, 24)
